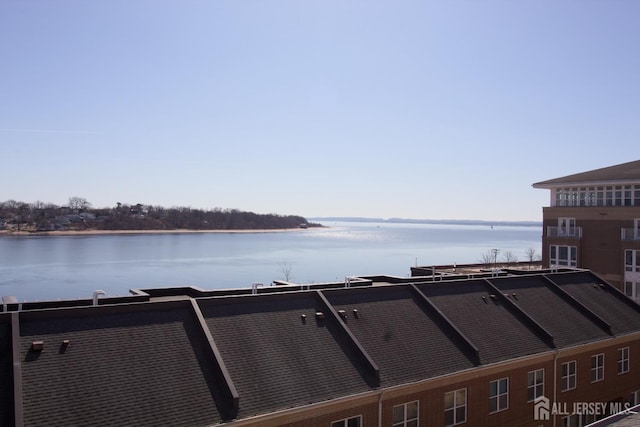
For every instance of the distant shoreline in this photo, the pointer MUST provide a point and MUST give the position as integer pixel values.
(121, 232)
(431, 221)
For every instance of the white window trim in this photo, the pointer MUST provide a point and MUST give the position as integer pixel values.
(623, 360)
(456, 406)
(344, 421)
(569, 375)
(554, 262)
(598, 370)
(535, 384)
(405, 419)
(499, 395)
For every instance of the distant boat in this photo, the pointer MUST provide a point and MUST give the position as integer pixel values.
(304, 226)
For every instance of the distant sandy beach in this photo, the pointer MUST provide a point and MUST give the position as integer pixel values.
(116, 232)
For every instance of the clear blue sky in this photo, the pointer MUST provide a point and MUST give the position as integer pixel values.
(414, 109)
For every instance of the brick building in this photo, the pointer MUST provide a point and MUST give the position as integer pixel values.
(593, 222)
(473, 351)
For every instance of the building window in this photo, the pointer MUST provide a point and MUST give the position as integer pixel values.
(631, 271)
(568, 380)
(618, 195)
(406, 415)
(635, 398)
(498, 395)
(632, 260)
(597, 367)
(566, 227)
(627, 196)
(563, 256)
(535, 384)
(348, 422)
(623, 360)
(571, 421)
(609, 196)
(455, 407)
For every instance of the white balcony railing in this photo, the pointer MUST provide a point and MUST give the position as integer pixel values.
(629, 234)
(569, 233)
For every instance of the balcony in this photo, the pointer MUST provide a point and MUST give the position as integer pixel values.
(568, 233)
(630, 234)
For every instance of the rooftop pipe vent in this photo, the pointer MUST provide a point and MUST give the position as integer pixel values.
(37, 346)
(343, 314)
(356, 314)
(319, 315)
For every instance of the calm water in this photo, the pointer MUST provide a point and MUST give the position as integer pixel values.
(44, 268)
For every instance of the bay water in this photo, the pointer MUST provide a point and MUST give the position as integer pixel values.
(37, 268)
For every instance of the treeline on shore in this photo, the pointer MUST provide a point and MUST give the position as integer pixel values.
(80, 215)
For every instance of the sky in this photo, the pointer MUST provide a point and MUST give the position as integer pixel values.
(445, 109)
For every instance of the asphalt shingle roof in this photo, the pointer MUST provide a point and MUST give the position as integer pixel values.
(142, 368)
(607, 302)
(488, 323)
(167, 363)
(558, 316)
(405, 341)
(275, 359)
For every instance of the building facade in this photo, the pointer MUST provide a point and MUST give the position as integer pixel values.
(593, 222)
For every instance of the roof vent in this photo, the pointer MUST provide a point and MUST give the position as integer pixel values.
(37, 346)
(602, 285)
(515, 296)
(356, 314)
(96, 295)
(343, 314)
(303, 317)
(493, 296)
(484, 299)
(319, 315)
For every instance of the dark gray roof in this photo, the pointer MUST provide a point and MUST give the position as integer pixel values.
(143, 366)
(606, 301)
(547, 306)
(489, 323)
(6, 372)
(623, 172)
(276, 360)
(406, 342)
(209, 360)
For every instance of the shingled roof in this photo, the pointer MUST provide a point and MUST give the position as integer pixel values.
(618, 173)
(404, 338)
(136, 365)
(603, 299)
(489, 321)
(211, 360)
(279, 359)
(558, 313)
